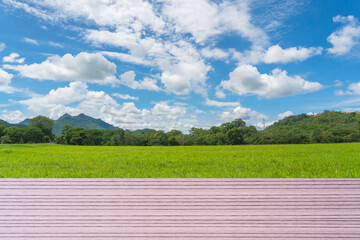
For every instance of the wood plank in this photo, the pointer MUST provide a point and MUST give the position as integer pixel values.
(179, 209)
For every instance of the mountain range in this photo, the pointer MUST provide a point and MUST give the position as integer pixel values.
(81, 120)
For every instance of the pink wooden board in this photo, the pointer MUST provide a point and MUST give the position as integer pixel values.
(179, 209)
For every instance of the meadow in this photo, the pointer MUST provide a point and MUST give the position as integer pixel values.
(255, 161)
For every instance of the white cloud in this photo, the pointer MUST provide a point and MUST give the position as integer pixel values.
(5, 80)
(124, 96)
(215, 53)
(219, 93)
(12, 116)
(345, 38)
(275, 54)
(353, 89)
(59, 101)
(32, 10)
(244, 113)
(55, 44)
(263, 125)
(183, 69)
(204, 19)
(136, 13)
(246, 79)
(164, 109)
(127, 58)
(341, 93)
(156, 33)
(2, 46)
(85, 67)
(209, 102)
(338, 83)
(161, 116)
(285, 114)
(13, 58)
(31, 41)
(128, 79)
(77, 98)
(185, 76)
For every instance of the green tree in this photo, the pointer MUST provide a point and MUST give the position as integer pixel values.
(5, 139)
(15, 134)
(2, 128)
(65, 128)
(33, 135)
(44, 123)
(75, 136)
(235, 136)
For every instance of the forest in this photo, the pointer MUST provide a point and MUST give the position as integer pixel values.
(326, 127)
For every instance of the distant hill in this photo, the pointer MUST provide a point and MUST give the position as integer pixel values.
(12, 125)
(25, 122)
(328, 120)
(145, 130)
(82, 121)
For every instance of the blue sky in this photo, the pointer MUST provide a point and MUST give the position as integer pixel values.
(177, 64)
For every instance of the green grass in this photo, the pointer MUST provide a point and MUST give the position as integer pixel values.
(266, 161)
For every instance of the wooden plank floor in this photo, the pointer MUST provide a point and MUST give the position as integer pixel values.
(179, 209)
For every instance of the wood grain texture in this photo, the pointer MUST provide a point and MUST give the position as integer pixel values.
(179, 209)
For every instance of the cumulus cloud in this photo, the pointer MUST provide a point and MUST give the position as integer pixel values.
(204, 19)
(244, 113)
(215, 53)
(59, 101)
(103, 13)
(263, 124)
(285, 114)
(183, 69)
(140, 31)
(2, 46)
(13, 58)
(124, 96)
(183, 77)
(85, 67)
(353, 89)
(5, 80)
(246, 79)
(128, 79)
(346, 37)
(31, 41)
(77, 98)
(12, 116)
(164, 109)
(276, 54)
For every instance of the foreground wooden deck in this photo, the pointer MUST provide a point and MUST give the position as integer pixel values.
(179, 209)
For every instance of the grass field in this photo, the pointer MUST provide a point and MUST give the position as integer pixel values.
(271, 161)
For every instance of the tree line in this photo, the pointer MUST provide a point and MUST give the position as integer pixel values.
(328, 127)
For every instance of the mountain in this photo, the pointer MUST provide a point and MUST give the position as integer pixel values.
(25, 122)
(328, 120)
(326, 127)
(82, 121)
(12, 125)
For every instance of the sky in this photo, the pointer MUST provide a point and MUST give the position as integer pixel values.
(178, 64)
